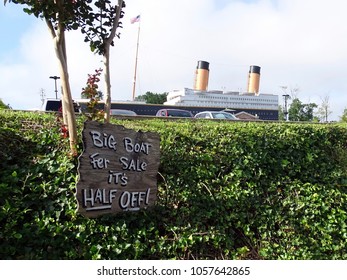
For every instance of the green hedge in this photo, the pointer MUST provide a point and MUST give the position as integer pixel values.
(227, 190)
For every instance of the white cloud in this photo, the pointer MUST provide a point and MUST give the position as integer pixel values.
(297, 43)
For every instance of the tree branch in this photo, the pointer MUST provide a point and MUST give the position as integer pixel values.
(115, 23)
(51, 28)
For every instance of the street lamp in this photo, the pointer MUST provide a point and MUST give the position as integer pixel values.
(55, 83)
(286, 96)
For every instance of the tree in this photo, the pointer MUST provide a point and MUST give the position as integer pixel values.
(299, 111)
(3, 105)
(294, 92)
(281, 115)
(62, 15)
(59, 15)
(324, 110)
(343, 118)
(153, 98)
(100, 29)
(291, 95)
(294, 110)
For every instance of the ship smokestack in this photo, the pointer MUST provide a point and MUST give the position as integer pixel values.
(254, 79)
(201, 75)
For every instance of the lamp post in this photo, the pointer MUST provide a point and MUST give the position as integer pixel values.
(55, 83)
(286, 96)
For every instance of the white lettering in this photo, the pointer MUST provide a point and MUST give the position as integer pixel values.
(112, 195)
(119, 177)
(98, 196)
(98, 163)
(107, 141)
(124, 200)
(130, 147)
(133, 165)
(147, 196)
(134, 200)
(87, 199)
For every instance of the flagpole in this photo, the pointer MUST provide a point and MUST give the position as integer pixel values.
(137, 53)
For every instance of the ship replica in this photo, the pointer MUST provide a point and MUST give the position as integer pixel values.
(263, 106)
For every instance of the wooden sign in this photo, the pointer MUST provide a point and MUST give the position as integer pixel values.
(117, 169)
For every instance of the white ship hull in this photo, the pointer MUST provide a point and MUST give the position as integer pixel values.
(223, 100)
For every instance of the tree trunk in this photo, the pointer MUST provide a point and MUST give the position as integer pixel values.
(63, 111)
(67, 103)
(107, 83)
(107, 44)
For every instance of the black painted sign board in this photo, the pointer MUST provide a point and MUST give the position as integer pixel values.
(117, 169)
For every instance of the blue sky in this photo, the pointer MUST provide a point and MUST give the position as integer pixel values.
(297, 43)
(13, 23)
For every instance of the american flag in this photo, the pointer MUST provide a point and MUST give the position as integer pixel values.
(135, 19)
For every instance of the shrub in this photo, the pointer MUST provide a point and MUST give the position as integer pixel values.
(226, 191)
